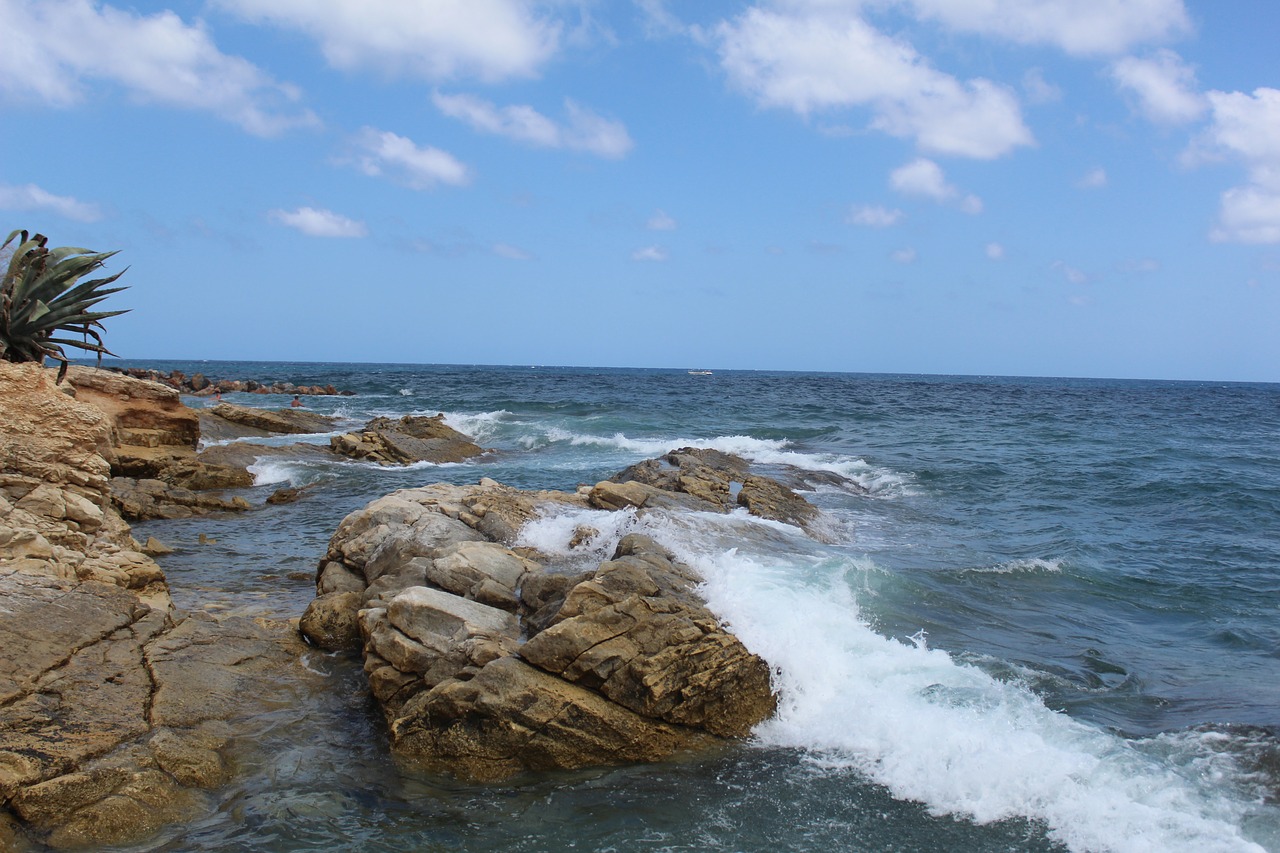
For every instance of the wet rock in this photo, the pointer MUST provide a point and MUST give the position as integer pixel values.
(290, 421)
(92, 655)
(405, 441)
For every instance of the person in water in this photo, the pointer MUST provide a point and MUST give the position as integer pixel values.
(296, 402)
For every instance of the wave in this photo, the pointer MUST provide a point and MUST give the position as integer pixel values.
(917, 720)
(762, 451)
(479, 426)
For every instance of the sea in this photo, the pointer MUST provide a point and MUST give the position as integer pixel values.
(1046, 615)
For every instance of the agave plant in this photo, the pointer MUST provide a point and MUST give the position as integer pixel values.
(42, 296)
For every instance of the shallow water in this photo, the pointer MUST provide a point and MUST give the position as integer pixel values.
(1051, 621)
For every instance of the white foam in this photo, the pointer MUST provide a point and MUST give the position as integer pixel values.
(913, 718)
(1026, 566)
(478, 426)
(267, 472)
(763, 451)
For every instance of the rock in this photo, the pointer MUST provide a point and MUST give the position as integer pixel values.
(406, 441)
(109, 701)
(279, 421)
(714, 480)
(486, 663)
(331, 620)
(143, 499)
(511, 717)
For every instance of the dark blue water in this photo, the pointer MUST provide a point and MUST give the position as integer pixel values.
(1051, 620)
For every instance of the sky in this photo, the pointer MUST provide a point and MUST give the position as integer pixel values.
(983, 187)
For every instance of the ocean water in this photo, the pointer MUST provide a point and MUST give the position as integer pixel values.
(1051, 622)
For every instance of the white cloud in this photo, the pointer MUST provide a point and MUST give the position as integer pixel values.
(1140, 265)
(904, 256)
(994, 251)
(1078, 27)
(54, 48)
(823, 57)
(873, 216)
(1070, 273)
(514, 253)
(32, 197)
(1093, 179)
(1039, 90)
(1246, 127)
(649, 253)
(923, 177)
(660, 221)
(385, 153)
(582, 131)
(1165, 87)
(490, 40)
(319, 222)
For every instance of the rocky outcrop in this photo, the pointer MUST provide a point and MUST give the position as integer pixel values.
(153, 457)
(114, 709)
(292, 421)
(202, 385)
(705, 479)
(405, 441)
(487, 661)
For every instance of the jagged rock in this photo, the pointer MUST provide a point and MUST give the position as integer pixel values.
(406, 441)
(92, 655)
(714, 479)
(143, 499)
(486, 663)
(275, 421)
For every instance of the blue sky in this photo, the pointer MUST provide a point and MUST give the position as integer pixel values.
(1027, 187)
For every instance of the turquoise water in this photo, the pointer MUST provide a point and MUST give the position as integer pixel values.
(1050, 622)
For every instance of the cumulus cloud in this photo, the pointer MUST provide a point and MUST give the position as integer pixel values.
(649, 253)
(660, 221)
(819, 57)
(1246, 127)
(382, 152)
(904, 256)
(55, 48)
(994, 251)
(1093, 179)
(923, 177)
(318, 222)
(1077, 27)
(1164, 87)
(489, 40)
(873, 216)
(583, 130)
(31, 197)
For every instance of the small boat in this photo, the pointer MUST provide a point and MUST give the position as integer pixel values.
(699, 372)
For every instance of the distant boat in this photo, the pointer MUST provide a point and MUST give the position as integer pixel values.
(699, 372)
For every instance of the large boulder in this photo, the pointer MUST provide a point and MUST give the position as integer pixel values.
(487, 662)
(405, 441)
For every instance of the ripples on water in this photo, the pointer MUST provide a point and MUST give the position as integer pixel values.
(1105, 550)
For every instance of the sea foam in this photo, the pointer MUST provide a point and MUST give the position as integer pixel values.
(913, 718)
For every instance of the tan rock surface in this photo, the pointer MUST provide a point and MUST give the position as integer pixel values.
(107, 697)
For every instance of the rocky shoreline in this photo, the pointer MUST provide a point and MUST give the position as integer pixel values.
(485, 658)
